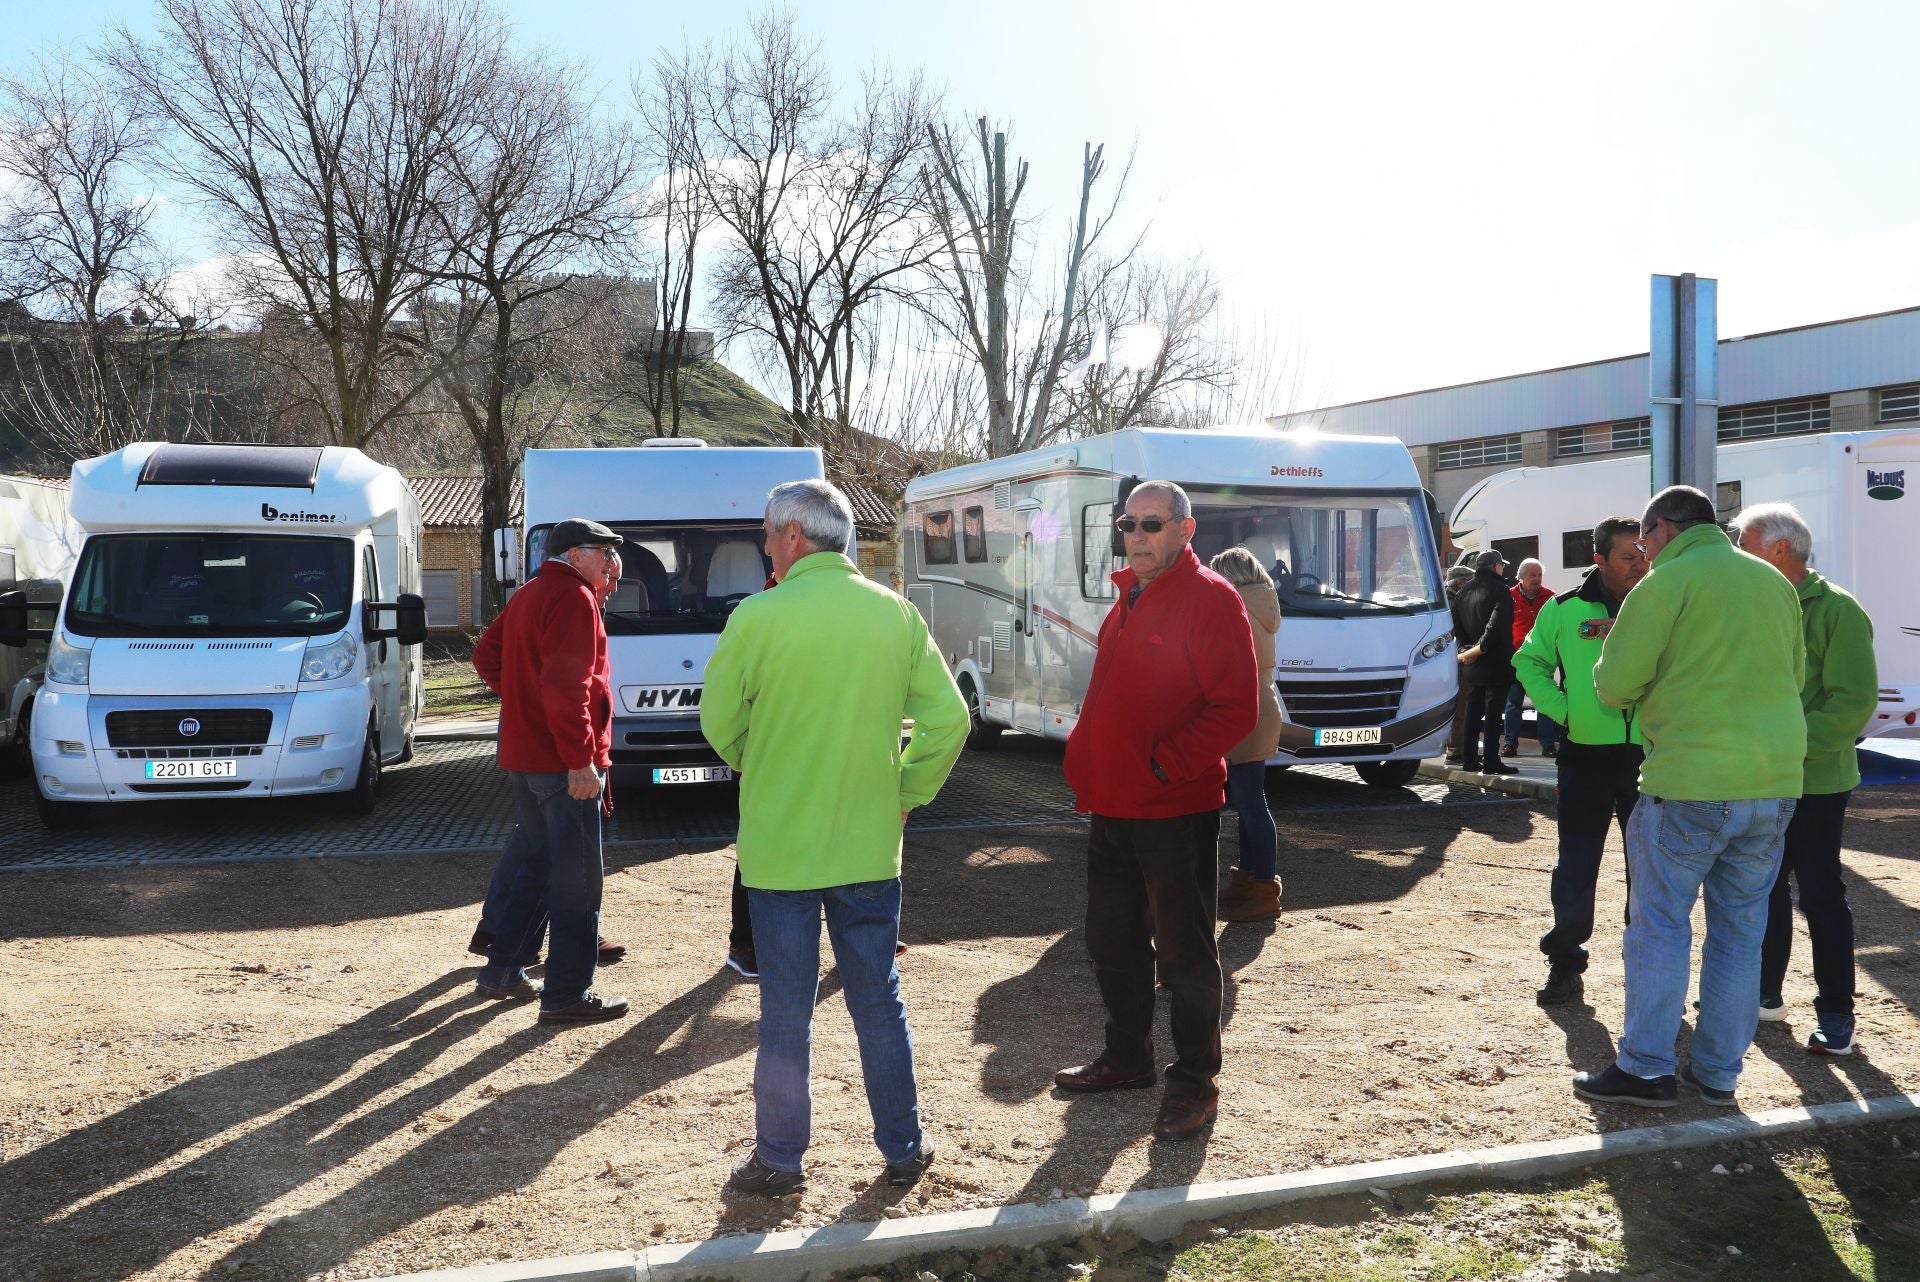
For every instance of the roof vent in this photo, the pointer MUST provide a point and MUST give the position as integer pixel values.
(291, 467)
(673, 443)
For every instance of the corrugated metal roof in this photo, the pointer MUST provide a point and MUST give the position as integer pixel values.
(1807, 361)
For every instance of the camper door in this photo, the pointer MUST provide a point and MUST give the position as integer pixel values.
(1043, 555)
(384, 660)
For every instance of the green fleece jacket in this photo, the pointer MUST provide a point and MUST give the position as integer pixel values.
(1556, 665)
(804, 696)
(1842, 686)
(1707, 653)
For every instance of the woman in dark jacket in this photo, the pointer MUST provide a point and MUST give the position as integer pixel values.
(1483, 628)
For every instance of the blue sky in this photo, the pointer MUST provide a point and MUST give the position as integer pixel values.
(1422, 194)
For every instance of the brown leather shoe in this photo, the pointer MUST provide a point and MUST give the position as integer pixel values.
(1183, 1117)
(1261, 902)
(610, 951)
(1091, 1079)
(1236, 888)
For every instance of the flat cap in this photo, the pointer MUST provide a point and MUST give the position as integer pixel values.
(578, 532)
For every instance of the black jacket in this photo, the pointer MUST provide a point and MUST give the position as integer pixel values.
(1483, 616)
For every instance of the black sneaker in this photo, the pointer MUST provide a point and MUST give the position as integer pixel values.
(1613, 1085)
(904, 1175)
(1708, 1094)
(755, 1176)
(1500, 768)
(481, 942)
(1834, 1040)
(1562, 986)
(745, 964)
(591, 1009)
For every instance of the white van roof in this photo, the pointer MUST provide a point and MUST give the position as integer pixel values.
(1248, 456)
(155, 485)
(624, 486)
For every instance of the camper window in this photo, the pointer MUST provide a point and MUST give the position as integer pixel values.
(1096, 552)
(936, 538)
(973, 534)
(1576, 549)
(212, 585)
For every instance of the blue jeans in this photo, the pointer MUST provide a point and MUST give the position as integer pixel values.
(1259, 840)
(553, 872)
(1674, 848)
(863, 923)
(1545, 727)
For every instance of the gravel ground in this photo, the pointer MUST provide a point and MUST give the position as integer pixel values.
(279, 1070)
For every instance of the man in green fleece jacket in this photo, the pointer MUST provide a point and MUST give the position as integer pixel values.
(1841, 690)
(1598, 765)
(804, 696)
(1706, 651)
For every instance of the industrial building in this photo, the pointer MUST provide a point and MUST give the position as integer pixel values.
(1837, 376)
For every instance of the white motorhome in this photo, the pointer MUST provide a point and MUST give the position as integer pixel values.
(243, 621)
(1850, 486)
(690, 517)
(1009, 560)
(38, 543)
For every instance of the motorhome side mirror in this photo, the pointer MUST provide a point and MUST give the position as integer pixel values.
(13, 619)
(410, 619)
(506, 557)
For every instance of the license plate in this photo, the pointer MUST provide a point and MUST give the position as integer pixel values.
(227, 769)
(1341, 738)
(692, 774)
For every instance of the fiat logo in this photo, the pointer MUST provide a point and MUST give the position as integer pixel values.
(189, 727)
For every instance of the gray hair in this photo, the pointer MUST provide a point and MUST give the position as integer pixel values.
(1681, 504)
(1777, 521)
(1533, 561)
(1177, 498)
(820, 510)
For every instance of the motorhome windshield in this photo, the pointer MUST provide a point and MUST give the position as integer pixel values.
(211, 585)
(678, 578)
(1329, 554)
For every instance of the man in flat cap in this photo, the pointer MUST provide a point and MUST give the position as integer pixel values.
(546, 656)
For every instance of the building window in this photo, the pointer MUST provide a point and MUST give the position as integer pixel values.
(1900, 404)
(1788, 418)
(441, 589)
(973, 534)
(1488, 451)
(936, 538)
(1603, 438)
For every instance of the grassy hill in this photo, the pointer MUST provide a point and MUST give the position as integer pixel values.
(718, 406)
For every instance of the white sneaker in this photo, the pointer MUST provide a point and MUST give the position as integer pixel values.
(1772, 1010)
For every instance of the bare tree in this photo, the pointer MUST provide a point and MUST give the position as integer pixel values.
(92, 336)
(991, 275)
(516, 333)
(318, 134)
(675, 217)
(1161, 354)
(821, 215)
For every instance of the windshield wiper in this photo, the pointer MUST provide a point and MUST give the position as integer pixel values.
(1325, 591)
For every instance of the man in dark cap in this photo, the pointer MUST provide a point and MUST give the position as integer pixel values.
(546, 656)
(1483, 628)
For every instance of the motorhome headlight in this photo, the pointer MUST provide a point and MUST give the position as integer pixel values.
(67, 663)
(1434, 648)
(329, 660)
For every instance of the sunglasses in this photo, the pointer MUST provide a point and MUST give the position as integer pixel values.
(1145, 524)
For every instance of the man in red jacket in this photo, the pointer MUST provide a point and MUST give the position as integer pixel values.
(546, 656)
(1175, 686)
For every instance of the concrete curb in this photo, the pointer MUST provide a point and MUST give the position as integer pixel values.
(1151, 1213)
(1515, 785)
(450, 730)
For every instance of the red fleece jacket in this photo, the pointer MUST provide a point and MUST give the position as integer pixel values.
(1174, 684)
(1525, 612)
(546, 657)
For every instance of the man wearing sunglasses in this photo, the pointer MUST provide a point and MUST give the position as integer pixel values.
(546, 656)
(1707, 653)
(1175, 687)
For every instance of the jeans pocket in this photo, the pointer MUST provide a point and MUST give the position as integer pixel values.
(872, 892)
(545, 787)
(1689, 829)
